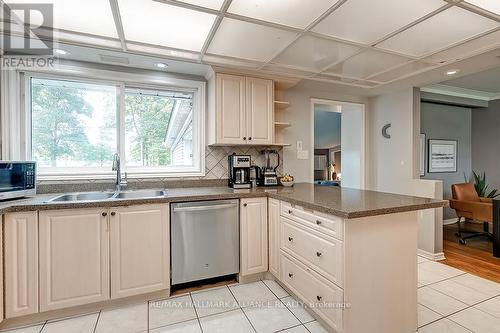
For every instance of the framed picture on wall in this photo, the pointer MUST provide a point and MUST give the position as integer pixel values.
(422, 154)
(442, 156)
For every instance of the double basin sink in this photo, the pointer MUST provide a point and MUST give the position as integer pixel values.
(100, 196)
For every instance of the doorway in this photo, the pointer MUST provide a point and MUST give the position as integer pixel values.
(338, 143)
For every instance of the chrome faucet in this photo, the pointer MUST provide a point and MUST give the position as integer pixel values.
(119, 182)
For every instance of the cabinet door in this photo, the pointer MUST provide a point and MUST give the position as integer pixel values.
(274, 237)
(140, 256)
(260, 113)
(74, 257)
(253, 222)
(230, 102)
(21, 264)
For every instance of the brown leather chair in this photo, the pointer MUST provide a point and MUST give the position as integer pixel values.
(469, 206)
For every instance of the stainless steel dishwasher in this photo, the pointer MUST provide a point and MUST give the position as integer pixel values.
(204, 240)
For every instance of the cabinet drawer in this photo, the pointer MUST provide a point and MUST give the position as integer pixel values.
(328, 224)
(322, 297)
(323, 253)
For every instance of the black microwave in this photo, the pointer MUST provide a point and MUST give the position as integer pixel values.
(17, 179)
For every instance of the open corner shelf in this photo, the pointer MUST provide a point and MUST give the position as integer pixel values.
(282, 124)
(281, 104)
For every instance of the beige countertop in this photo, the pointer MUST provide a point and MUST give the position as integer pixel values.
(343, 202)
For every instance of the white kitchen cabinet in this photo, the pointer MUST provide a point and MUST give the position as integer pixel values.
(241, 110)
(140, 254)
(21, 263)
(274, 236)
(260, 112)
(74, 257)
(253, 237)
(231, 109)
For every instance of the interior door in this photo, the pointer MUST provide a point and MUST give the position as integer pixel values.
(231, 113)
(260, 113)
(353, 146)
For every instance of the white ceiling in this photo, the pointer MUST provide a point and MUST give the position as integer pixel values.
(485, 81)
(363, 43)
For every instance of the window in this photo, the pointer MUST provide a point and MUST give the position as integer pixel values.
(77, 127)
(73, 124)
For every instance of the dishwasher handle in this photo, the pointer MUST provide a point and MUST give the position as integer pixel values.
(208, 207)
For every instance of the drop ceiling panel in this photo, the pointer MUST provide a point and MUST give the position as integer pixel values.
(315, 53)
(212, 4)
(235, 63)
(442, 30)
(246, 40)
(294, 13)
(89, 16)
(368, 21)
(489, 5)
(287, 71)
(462, 51)
(402, 71)
(155, 50)
(367, 63)
(162, 24)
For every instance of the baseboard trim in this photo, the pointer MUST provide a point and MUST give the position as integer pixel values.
(450, 221)
(431, 256)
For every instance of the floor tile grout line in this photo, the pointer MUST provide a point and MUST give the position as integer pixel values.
(97, 321)
(43, 326)
(449, 278)
(242, 309)
(468, 305)
(195, 311)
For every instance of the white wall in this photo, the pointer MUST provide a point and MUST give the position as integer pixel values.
(393, 164)
(299, 115)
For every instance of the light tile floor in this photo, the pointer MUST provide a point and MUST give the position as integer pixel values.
(261, 306)
(450, 301)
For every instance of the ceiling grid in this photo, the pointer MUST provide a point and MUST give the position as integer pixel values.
(324, 42)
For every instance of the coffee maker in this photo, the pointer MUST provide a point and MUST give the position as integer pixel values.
(239, 171)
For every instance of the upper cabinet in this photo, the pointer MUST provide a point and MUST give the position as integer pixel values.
(241, 110)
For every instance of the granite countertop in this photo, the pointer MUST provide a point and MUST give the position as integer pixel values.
(342, 202)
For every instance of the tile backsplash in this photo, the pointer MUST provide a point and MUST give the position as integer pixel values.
(216, 159)
(216, 173)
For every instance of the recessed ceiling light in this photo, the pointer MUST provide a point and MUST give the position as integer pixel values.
(60, 52)
(161, 65)
(452, 71)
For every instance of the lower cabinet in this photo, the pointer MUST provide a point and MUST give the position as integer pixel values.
(74, 257)
(274, 236)
(253, 236)
(140, 254)
(21, 263)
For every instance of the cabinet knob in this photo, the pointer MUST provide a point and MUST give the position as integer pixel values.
(250, 139)
(319, 298)
(318, 222)
(104, 214)
(290, 275)
(244, 205)
(318, 254)
(113, 213)
(244, 138)
(290, 239)
(290, 211)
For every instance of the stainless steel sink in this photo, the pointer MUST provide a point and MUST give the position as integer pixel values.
(85, 196)
(141, 194)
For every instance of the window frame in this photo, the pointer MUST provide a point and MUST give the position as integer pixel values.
(122, 81)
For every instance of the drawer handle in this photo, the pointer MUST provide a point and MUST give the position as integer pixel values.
(290, 239)
(290, 211)
(319, 298)
(318, 254)
(104, 214)
(318, 222)
(244, 205)
(113, 213)
(290, 275)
